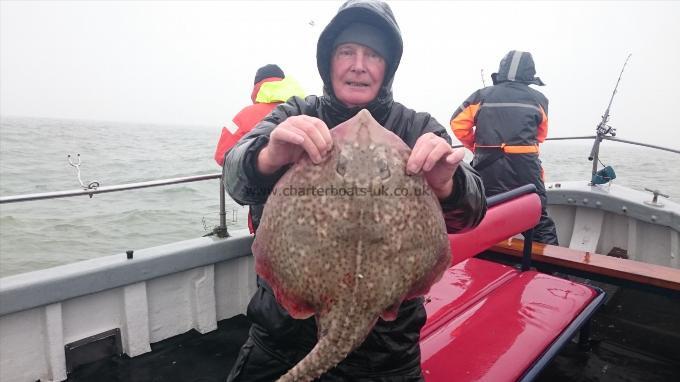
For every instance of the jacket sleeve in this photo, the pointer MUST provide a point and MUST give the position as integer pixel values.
(244, 183)
(542, 131)
(463, 121)
(228, 137)
(466, 206)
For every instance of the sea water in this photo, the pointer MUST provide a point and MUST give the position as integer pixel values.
(41, 234)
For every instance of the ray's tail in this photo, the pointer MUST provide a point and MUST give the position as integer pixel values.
(339, 334)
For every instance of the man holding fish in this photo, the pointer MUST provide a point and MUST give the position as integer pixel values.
(358, 54)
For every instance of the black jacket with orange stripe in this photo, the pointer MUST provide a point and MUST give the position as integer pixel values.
(509, 113)
(503, 125)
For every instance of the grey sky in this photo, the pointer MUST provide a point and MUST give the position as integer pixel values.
(193, 63)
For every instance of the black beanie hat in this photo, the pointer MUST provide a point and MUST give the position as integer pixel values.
(269, 70)
(367, 35)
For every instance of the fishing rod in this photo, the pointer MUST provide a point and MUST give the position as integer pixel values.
(604, 130)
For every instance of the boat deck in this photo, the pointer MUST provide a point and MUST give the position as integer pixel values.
(635, 337)
(626, 345)
(188, 357)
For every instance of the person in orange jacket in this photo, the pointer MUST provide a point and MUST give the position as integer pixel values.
(503, 125)
(271, 88)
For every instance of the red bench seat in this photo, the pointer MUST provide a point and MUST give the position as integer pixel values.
(490, 322)
(500, 336)
(461, 286)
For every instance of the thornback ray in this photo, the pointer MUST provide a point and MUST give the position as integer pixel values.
(349, 239)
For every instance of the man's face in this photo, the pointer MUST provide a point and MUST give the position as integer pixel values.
(357, 72)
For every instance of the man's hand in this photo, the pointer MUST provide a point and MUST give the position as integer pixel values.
(437, 160)
(290, 139)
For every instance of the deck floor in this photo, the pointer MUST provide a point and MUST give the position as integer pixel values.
(188, 357)
(636, 337)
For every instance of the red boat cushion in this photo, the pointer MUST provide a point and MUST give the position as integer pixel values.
(461, 286)
(501, 222)
(502, 334)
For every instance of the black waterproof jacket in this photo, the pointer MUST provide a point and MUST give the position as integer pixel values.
(511, 119)
(391, 350)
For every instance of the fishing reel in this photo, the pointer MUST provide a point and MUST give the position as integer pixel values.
(604, 129)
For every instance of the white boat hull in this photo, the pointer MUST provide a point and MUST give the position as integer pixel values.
(160, 293)
(599, 219)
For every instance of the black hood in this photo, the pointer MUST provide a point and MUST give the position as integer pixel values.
(379, 15)
(517, 66)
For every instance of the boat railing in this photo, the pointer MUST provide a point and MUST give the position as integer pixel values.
(605, 175)
(609, 139)
(614, 139)
(220, 231)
